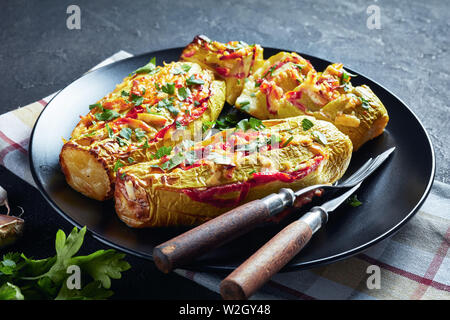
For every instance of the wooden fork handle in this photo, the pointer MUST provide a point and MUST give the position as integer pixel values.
(186, 247)
(271, 257)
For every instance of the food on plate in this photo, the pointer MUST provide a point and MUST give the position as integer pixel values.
(139, 116)
(287, 85)
(232, 61)
(194, 182)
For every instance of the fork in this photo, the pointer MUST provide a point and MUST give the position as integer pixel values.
(222, 229)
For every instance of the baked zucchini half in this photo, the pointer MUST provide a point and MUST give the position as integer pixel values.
(232, 61)
(286, 85)
(133, 121)
(196, 182)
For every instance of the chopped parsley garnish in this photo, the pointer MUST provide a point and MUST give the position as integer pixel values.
(193, 81)
(145, 145)
(364, 103)
(139, 133)
(320, 137)
(126, 133)
(167, 104)
(118, 165)
(227, 121)
(183, 93)
(107, 115)
(307, 124)
(121, 142)
(207, 125)
(110, 131)
(130, 160)
(178, 125)
(169, 88)
(124, 93)
(353, 201)
(149, 67)
(186, 67)
(137, 100)
(196, 103)
(252, 172)
(345, 76)
(251, 123)
(161, 152)
(245, 105)
(173, 162)
(96, 105)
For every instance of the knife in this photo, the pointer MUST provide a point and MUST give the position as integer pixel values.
(187, 246)
(275, 254)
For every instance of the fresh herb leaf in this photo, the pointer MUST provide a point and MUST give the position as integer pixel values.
(46, 278)
(96, 105)
(139, 133)
(126, 133)
(183, 93)
(307, 124)
(122, 142)
(161, 152)
(130, 160)
(256, 124)
(107, 115)
(206, 125)
(186, 67)
(245, 105)
(345, 76)
(169, 88)
(136, 100)
(364, 103)
(8, 291)
(173, 162)
(193, 81)
(110, 131)
(149, 67)
(124, 94)
(166, 103)
(353, 201)
(145, 145)
(117, 165)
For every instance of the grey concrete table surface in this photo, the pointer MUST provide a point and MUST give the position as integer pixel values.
(408, 54)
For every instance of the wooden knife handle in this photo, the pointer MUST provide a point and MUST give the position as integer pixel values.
(211, 234)
(271, 257)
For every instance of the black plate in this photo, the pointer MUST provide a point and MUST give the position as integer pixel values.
(390, 196)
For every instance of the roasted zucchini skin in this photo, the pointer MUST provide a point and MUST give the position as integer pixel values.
(232, 61)
(287, 85)
(145, 120)
(194, 192)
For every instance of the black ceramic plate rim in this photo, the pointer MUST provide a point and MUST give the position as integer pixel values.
(221, 268)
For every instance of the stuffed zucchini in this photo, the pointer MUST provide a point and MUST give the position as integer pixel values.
(194, 182)
(140, 115)
(287, 85)
(232, 61)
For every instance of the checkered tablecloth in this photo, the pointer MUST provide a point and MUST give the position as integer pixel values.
(413, 264)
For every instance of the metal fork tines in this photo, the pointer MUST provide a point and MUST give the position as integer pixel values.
(363, 172)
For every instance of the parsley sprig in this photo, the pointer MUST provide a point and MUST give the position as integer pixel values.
(25, 278)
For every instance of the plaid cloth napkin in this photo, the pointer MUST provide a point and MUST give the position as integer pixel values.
(413, 264)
